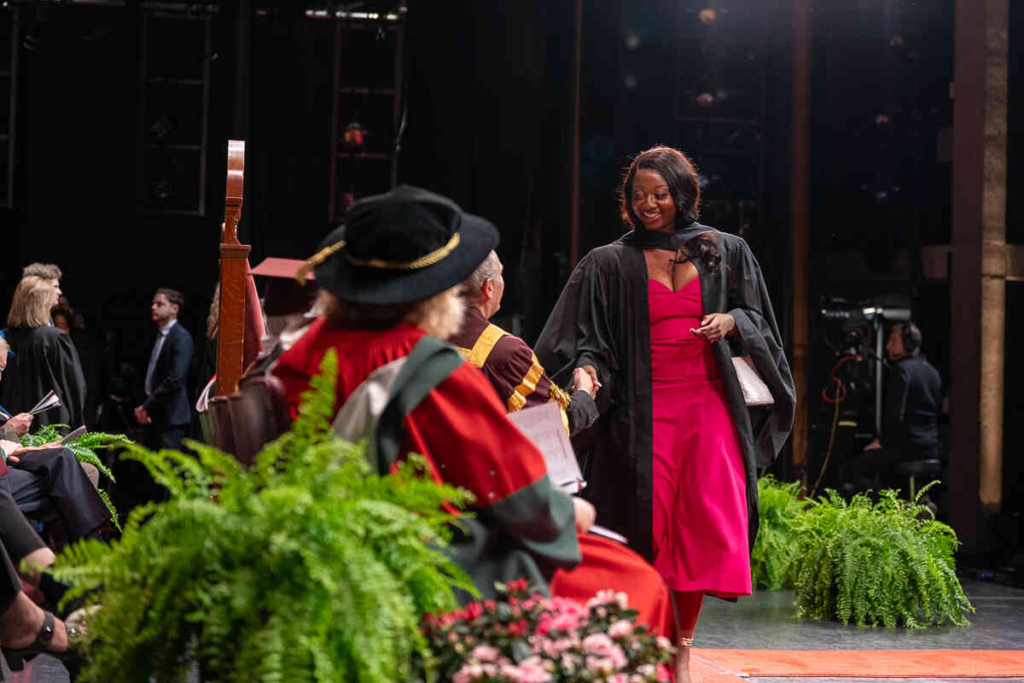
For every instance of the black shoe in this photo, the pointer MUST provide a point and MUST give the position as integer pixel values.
(16, 657)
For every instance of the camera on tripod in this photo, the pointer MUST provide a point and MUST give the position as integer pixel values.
(855, 330)
(850, 326)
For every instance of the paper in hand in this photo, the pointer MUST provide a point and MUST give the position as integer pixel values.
(73, 435)
(46, 403)
(608, 533)
(544, 427)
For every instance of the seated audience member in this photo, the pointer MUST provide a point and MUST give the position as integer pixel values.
(45, 358)
(36, 474)
(28, 551)
(507, 361)
(391, 277)
(912, 400)
(26, 629)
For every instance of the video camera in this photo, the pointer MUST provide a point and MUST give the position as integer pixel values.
(849, 327)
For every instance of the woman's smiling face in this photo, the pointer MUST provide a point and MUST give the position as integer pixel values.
(652, 202)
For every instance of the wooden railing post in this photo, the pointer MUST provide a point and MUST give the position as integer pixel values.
(234, 258)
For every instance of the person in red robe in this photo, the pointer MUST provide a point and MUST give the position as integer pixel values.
(391, 276)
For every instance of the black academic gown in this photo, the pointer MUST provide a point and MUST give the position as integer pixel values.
(44, 359)
(602, 319)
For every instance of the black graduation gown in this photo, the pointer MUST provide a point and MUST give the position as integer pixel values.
(602, 319)
(44, 359)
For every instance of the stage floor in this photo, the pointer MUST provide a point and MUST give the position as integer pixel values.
(767, 621)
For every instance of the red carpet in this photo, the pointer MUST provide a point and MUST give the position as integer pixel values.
(862, 663)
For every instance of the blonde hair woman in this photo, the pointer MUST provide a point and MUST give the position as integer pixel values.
(44, 358)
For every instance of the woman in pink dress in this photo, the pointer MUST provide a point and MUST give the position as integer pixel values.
(656, 317)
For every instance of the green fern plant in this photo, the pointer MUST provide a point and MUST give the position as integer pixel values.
(302, 567)
(773, 556)
(887, 562)
(84, 448)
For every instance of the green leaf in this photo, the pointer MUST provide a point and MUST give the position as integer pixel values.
(303, 567)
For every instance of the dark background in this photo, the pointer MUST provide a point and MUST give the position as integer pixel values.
(487, 96)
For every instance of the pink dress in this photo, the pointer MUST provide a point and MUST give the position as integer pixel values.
(700, 506)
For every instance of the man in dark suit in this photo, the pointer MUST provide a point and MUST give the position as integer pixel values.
(166, 408)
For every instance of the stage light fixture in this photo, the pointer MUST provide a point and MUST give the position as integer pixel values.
(705, 99)
(354, 137)
(708, 16)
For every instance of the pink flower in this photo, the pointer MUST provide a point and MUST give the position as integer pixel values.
(609, 597)
(598, 644)
(600, 665)
(531, 671)
(517, 585)
(664, 643)
(647, 670)
(553, 648)
(517, 628)
(468, 673)
(618, 678)
(620, 629)
(664, 675)
(474, 610)
(490, 604)
(568, 605)
(565, 622)
(485, 653)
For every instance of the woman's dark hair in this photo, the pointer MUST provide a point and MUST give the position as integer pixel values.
(681, 176)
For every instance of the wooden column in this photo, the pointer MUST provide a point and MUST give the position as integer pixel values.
(979, 267)
(234, 258)
(800, 207)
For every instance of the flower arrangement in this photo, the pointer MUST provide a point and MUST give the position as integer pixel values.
(524, 637)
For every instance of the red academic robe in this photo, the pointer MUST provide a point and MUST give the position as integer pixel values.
(462, 431)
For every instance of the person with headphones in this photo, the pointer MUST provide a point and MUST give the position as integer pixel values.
(913, 398)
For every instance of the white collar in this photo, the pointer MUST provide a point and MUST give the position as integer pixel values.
(167, 328)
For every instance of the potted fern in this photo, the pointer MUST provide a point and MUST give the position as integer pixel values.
(84, 447)
(774, 554)
(302, 567)
(882, 562)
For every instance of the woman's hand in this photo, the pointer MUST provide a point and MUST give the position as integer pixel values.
(581, 381)
(20, 423)
(592, 371)
(715, 326)
(586, 514)
(14, 457)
